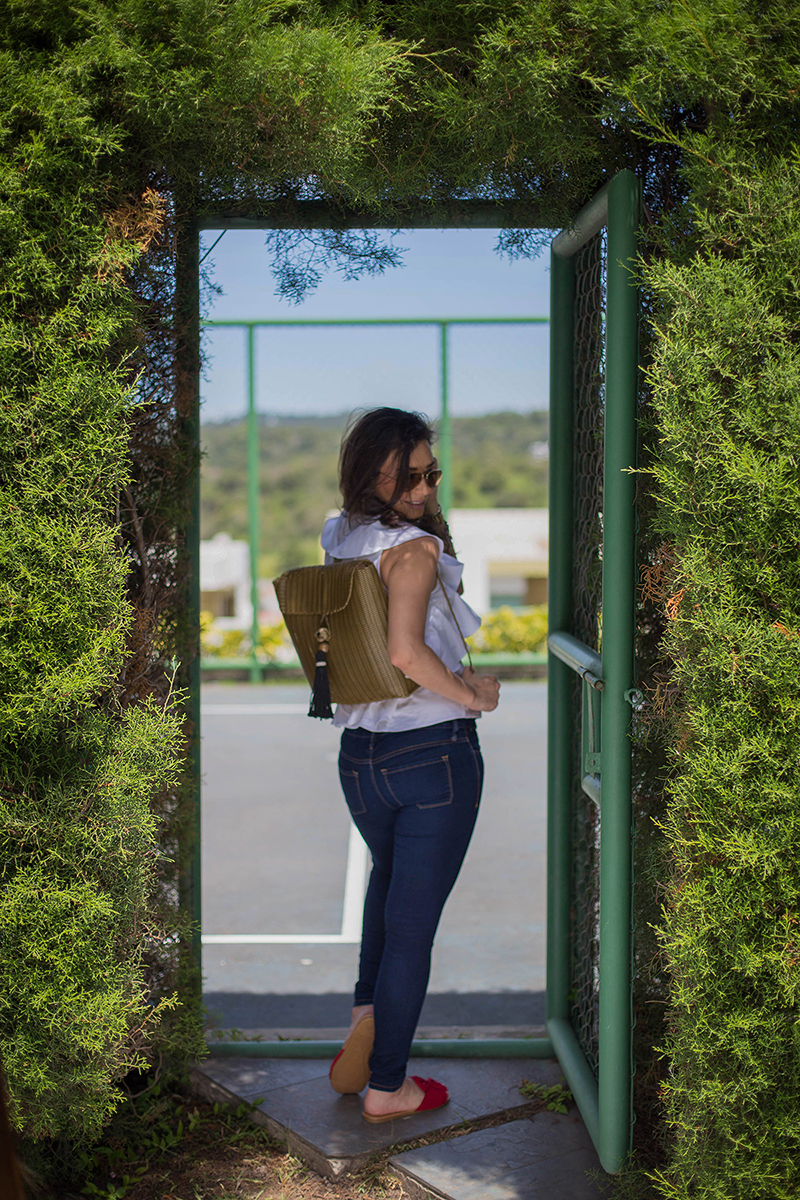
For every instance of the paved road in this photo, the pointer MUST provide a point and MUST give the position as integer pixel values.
(282, 863)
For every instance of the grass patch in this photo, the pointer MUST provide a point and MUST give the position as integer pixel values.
(165, 1144)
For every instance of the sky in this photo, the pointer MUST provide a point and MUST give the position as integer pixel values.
(445, 273)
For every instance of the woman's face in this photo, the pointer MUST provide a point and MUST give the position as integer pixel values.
(411, 504)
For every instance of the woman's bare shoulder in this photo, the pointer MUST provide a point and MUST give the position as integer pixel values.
(416, 554)
(415, 549)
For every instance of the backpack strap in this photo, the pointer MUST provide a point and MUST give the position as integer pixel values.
(455, 618)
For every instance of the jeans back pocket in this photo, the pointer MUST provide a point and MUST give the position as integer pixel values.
(351, 786)
(426, 784)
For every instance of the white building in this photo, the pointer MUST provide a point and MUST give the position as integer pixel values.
(225, 581)
(504, 552)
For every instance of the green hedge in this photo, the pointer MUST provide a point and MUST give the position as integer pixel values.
(509, 631)
(79, 766)
(505, 630)
(729, 412)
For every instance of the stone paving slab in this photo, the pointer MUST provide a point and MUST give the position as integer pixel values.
(253, 1078)
(546, 1157)
(328, 1131)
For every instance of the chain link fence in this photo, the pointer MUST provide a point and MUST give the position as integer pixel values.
(590, 303)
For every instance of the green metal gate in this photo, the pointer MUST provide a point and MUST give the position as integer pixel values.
(590, 679)
(593, 388)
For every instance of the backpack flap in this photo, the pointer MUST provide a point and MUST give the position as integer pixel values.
(318, 591)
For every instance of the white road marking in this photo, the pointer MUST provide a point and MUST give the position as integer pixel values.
(355, 880)
(352, 911)
(252, 710)
(276, 939)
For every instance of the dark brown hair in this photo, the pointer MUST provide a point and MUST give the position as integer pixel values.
(372, 438)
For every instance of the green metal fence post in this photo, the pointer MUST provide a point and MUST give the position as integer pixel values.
(187, 361)
(253, 498)
(527, 1047)
(559, 608)
(614, 1072)
(445, 432)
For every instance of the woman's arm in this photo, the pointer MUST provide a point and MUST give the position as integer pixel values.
(409, 573)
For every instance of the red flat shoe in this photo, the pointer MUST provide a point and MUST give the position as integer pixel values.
(436, 1095)
(349, 1071)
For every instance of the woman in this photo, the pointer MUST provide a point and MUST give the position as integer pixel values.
(410, 768)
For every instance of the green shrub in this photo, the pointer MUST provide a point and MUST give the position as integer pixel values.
(729, 410)
(234, 643)
(272, 638)
(79, 850)
(512, 630)
(82, 759)
(221, 643)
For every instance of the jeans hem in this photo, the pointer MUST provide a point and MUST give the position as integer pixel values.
(386, 1087)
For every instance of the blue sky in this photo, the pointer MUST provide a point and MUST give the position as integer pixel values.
(445, 273)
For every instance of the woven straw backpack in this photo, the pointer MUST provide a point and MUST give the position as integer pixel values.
(338, 620)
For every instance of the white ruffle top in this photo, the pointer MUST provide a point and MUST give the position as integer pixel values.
(369, 539)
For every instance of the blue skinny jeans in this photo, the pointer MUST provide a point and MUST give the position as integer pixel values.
(414, 797)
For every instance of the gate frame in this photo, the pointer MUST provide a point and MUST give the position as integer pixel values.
(466, 214)
(604, 1102)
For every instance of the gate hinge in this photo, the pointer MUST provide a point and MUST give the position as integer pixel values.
(591, 763)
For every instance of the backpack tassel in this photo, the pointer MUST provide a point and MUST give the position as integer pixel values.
(321, 694)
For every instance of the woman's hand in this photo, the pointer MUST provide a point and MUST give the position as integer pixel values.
(486, 689)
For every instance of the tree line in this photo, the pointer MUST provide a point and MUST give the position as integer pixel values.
(498, 462)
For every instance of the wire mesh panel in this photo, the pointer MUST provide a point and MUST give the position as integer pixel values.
(588, 417)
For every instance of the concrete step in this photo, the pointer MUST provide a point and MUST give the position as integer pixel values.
(296, 1103)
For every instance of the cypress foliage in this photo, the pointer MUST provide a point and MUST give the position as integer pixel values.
(729, 409)
(78, 768)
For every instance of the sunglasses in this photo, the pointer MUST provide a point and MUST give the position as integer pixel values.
(431, 477)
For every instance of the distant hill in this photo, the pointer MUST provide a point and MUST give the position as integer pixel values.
(493, 467)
